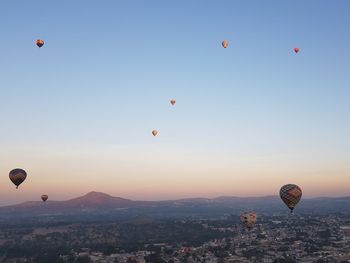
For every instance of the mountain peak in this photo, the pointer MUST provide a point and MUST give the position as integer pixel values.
(94, 197)
(94, 194)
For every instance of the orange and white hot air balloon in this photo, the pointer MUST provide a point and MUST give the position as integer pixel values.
(154, 132)
(40, 43)
(296, 49)
(248, 219)
(173, 102)
(224, 43)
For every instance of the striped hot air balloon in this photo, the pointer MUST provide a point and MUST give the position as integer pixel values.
(290, 195)
(17, 176)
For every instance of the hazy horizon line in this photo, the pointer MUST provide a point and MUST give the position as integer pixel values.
(176, 199)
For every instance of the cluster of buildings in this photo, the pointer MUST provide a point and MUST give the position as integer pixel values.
(305, 240)
(274, 239)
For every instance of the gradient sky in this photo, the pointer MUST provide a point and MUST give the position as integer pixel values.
(78, 113)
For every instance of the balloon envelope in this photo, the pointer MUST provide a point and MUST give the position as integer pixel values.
(44, 197)
(290, 195)
(40, 42)
(296, 50)
(17, 176)
(224, 44)
(173, 102)
(154, 132)
(248, 219)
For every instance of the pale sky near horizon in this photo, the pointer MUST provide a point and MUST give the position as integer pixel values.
(78, 113)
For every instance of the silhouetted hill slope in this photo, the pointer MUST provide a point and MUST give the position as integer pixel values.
(97, 202)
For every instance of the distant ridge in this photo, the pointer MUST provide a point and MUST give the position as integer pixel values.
(231, 198)
(98, 201)
(96, 198)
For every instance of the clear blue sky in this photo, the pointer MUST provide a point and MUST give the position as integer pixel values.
(109, 68)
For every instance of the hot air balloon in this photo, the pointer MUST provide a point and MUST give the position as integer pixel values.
(17, 176)
(296, 50)
(173, 102)
(290, 195)
(248, 219)
(154, 132)
(40, 43)
(44, 197)
(224, 43)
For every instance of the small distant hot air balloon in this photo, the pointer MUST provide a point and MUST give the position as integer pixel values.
(173, 102)
(296, 50)
(248, 219)
(290, 195)
(40, 43)
(154, 132)
(17, 176)
(224, 43)
(44, 197)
